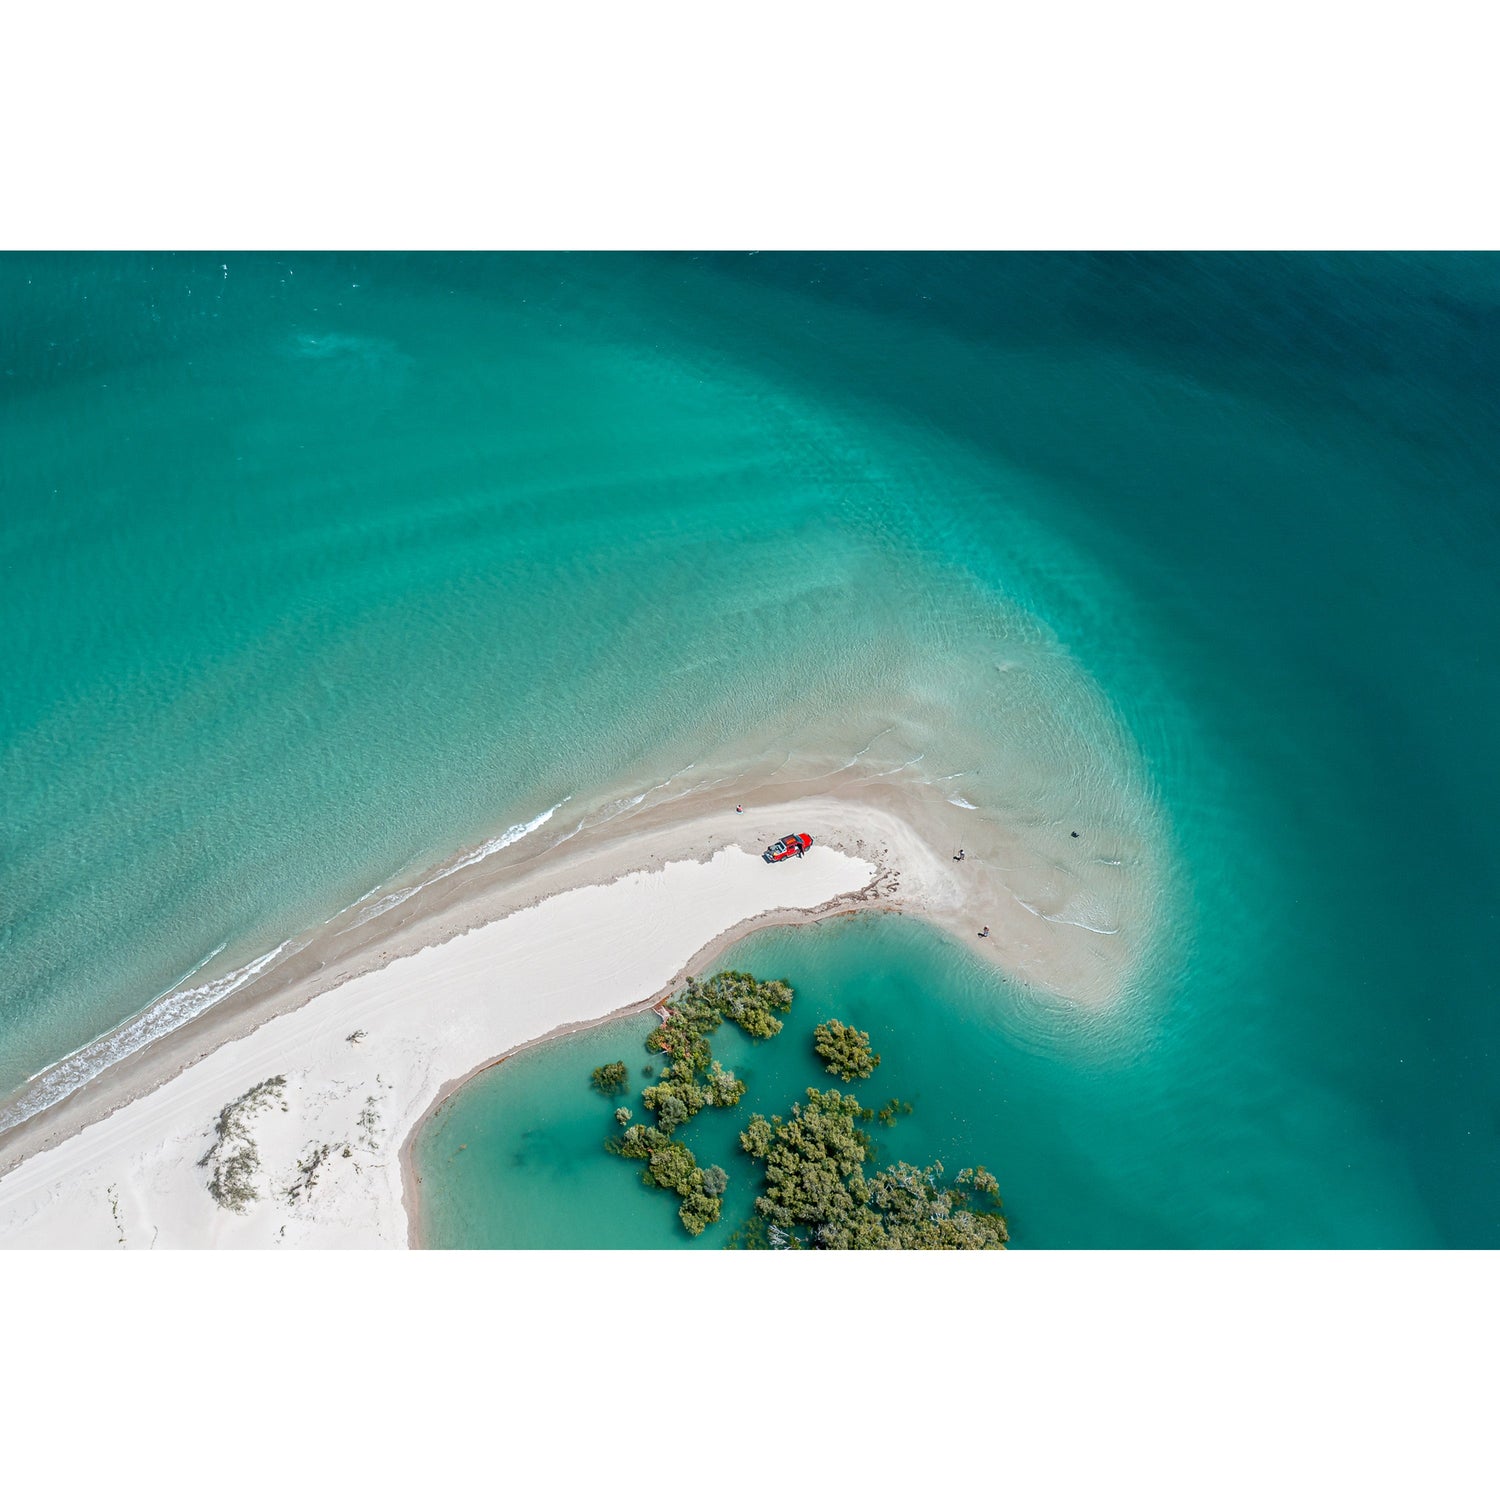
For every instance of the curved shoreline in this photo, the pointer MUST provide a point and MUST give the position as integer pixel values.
(867, 900)
(627, 923)
(499, 955)
(1018, 883)
(396, 918)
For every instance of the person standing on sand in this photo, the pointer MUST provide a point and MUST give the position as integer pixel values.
(986, 931)
(739, 807)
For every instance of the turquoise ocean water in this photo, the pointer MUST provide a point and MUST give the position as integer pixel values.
(318, 569)
(1100, 1147)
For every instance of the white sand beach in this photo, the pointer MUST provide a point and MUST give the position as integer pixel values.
(369, 1045)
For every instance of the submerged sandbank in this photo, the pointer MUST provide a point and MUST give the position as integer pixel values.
(1070, 915)
(499, 952)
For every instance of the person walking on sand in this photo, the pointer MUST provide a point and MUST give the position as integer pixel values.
(986, 931)
(959, 855)
(739, 807)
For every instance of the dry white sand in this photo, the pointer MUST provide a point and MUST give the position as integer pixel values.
(427, 1020)
(370, 1040)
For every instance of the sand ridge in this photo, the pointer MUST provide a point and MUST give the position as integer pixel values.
(371, 1039)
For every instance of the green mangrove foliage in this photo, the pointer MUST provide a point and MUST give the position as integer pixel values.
(888, 1111)
(611, 1077)
(846, 1052)
(697, 1012)
(692, 1079)
(670, 1165)
(821, 1189)
(817, 1196)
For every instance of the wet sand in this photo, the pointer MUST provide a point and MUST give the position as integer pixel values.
(684, 878)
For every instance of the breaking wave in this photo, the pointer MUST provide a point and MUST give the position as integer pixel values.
(177, 1005)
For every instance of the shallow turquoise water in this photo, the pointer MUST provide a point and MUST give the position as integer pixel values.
(319, 568)
(1101, 1141)
(515, 1160)
(322, 569)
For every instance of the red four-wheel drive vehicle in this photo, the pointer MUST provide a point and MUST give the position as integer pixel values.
(793, 843)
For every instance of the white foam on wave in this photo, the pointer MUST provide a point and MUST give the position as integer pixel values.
(175, 1006)
(358, 901)
(703, 786)
(166, 1013)
(787, 760)
(1063, 921)
(512, 835)
(624, 804)
(905, 764)
(572, 832)
(888, 728)
(963, 802)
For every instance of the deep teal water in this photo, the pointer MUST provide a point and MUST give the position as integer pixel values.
(319, 568)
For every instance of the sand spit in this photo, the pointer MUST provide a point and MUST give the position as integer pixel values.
(371, 1027)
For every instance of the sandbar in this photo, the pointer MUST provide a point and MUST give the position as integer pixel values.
(373, 1027)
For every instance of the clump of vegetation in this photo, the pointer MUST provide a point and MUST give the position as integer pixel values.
(695, 1014)
(820, 1188)
(368, 1123)
(610, 1079)
(692, 1079)
(308, 1169)
(817, 1197)
(232, 1157)
(846, 1052)
(697, 1212)
(747, 1001)
(671, 1165)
